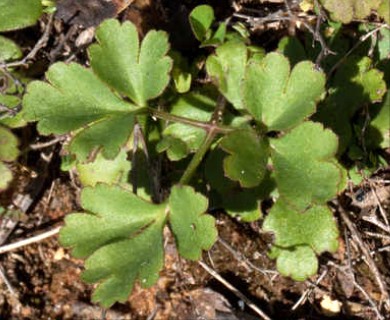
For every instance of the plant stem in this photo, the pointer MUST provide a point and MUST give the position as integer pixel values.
(198, 157)
(191, 122)
(212, 132)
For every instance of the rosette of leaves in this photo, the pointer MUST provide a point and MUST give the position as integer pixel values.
(88, 102)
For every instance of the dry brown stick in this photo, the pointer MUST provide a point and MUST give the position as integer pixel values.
(315, 32)
(28, 241)
(14, 296)
(7, 283)
(377, 235)
(42, 145)
(234, 290)
(41, 43)
(309, 290)
(378, 203)
(374, 220)
(366, 252)
(241, 258)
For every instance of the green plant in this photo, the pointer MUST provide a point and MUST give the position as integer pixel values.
(253, 132)
(8, 152)
(352, 9)
(13, 15)
(16, 15)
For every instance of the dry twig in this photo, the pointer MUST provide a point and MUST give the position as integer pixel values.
(309, 290)
(366, 252)
(28, 241)
(42, 42)
(236, 292)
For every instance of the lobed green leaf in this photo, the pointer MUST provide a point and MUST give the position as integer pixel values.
(201, 19)
(8, 145)
(384, 11)
(227, 68)
(18, 14)
(306, 170)
(104, 170)
(280, 99)
(248, 157)
(380, 123)
(356, 83)
(8, 152)
(238, 202)
(299, 263)
(315, 227)
(114, 235)
(194, 230)
(75, 99)
(181, 139)
(9, 50)
(141, 73)
(298, 236)
(347, 10)
(292, 48)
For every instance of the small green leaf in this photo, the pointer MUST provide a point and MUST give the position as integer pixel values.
(315, 227)
(298, 236)
(380, 122)
(217, 38)
(293, 49)
(8, 152)
(176, 149)
(244, 204)
(194, 230)
(6, 176)
(356, 83)
(12, 119)
(384, 43)
(278, 98)
(141, 73)
(238, 202)
(201, 19)
(347, 10)
(384, 11)
(306, 171)
(247, 162)
(109, 135)
(8, 145)
(103, 170)
(215, 174)
(227, 68)
(298, 263)
(114, 235)
(181, 73)
(9, 50)
(241, 29)
(193, 105)
(76, 99)
(17, 14)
